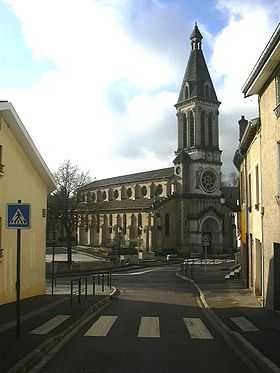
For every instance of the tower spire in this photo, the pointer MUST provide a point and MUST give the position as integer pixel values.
(196, 38)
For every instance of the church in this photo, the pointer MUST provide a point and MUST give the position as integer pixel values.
(182, 207)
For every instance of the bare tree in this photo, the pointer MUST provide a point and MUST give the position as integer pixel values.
(62, 203)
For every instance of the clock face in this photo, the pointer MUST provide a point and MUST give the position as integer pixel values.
(209, 181)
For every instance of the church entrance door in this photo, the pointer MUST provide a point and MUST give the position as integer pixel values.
(210, 235)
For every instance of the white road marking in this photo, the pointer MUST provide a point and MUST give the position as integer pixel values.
(149, 327)
(136, 273)
(101, 327)
(197, 329)
(244, 324)
(50, 325)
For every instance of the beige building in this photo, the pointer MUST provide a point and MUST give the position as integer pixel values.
(182, 207)
(259, 162)
(23, 176)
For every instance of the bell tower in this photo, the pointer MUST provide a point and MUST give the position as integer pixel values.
(198, 157)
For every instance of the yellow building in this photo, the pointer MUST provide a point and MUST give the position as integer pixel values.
(262, 157)
(248, 161)
(23, 176)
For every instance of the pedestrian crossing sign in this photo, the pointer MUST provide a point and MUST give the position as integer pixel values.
(18, 215)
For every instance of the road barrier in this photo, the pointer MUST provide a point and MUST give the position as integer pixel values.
(79, 286)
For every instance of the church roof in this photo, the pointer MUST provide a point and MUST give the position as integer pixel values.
(196, 34)
(197, 74)
(162, 173)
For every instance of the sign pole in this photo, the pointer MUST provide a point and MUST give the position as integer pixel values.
(18, 217)
(18, 278)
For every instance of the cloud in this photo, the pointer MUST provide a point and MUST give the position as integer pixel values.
(108, 90)
(118, 65)
(235, 51)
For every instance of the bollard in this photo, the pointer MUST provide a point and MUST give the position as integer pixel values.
(80, 289)
(93, 285)
(103, 283)
(86, 286)
(71, 292)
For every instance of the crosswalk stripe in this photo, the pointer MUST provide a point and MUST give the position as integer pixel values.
(197, 329)
(149, 327)
(101, 327)
(50, 325)
(244, 324)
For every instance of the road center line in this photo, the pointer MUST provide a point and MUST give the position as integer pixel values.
(197, 329)
(149, 327)
(101, 327)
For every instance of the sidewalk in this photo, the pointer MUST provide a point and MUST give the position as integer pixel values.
(240, 311)
(45, 321)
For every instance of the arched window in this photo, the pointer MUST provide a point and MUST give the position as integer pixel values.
(124, 224)
(202, 128)
(119, 221)
(191, 123)
(139, 220)
(187, 92)
(184, 131)
(167, 224)
(210, 130)
(207, 91)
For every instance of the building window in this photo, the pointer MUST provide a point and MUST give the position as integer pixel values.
(191, 129)
(210, 130)
(139, 220)
(129, 192)
(159, 190)
(242, 190)
(144, 190)
(124, 224)
(277, 82)
(206, 89)
(186, 92)
(249, 205)
(277, 94)
(98, 224)
(202, 128)
(1, 160)
(257, 188)
(110, 220)
(167, 224)
(184, 131)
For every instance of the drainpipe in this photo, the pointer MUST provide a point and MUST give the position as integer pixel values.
(261, 207)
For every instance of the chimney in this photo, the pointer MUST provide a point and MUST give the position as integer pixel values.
(242, 126)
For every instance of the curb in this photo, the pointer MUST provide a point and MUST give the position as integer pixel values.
(42, 354)
(250, 355)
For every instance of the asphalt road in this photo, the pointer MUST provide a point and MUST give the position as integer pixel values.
(155, 325)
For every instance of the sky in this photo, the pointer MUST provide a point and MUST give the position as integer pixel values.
(95, 81)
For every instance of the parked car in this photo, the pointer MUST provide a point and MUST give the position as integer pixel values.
(171, 257)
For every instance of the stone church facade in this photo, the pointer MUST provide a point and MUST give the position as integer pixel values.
(182, 207)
